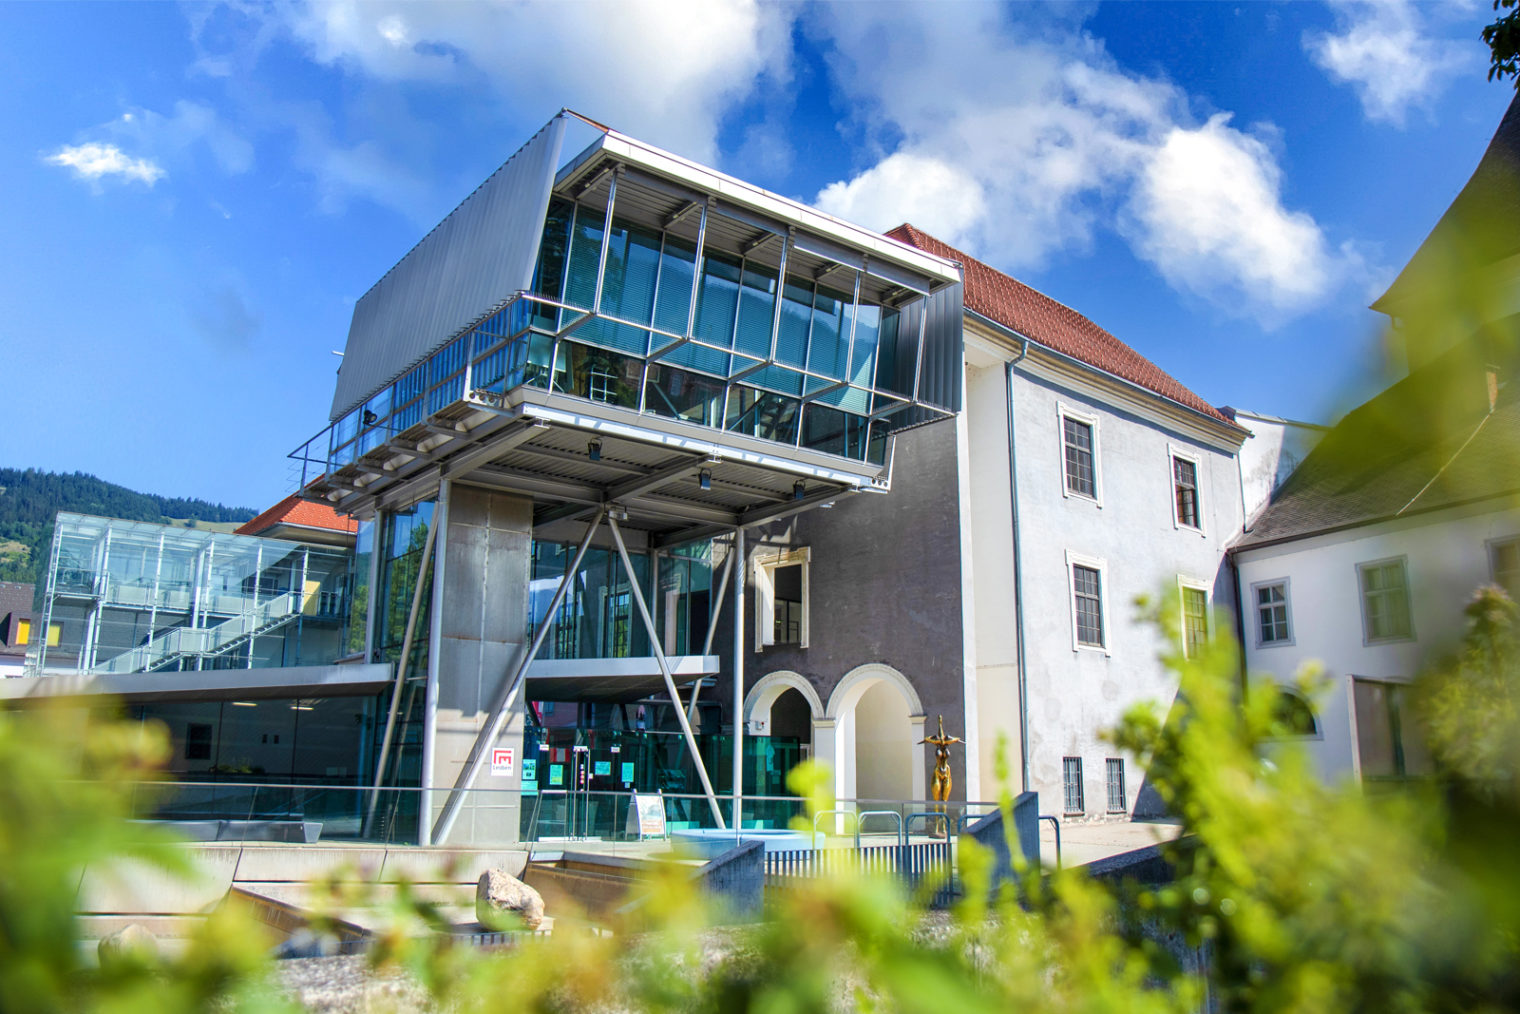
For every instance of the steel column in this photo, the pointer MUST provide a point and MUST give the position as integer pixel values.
(739, 679)
(712, 627)
(508, 693)
(435, 638)
(664, 664)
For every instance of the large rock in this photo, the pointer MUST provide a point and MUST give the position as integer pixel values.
(133, 942)
(499, 892)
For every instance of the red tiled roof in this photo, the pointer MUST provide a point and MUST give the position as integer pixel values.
(1015, 305)
(307, 513)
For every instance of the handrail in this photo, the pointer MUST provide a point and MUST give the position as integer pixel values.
(860, 819)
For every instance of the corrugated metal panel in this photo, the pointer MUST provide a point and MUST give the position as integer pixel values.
(944, 353)
(481, 254)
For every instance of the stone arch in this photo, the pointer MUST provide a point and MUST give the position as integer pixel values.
(860, 679)
(880, 739)
(766, 691)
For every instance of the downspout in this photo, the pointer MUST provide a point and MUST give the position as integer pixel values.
(1240, 624)
(1018, 575)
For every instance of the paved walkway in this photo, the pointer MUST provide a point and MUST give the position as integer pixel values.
(1083, 842)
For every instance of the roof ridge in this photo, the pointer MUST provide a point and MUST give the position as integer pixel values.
(1068, 330)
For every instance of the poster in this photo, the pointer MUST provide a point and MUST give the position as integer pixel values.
(646, 816)
(556, 774)
(602, 769)
(627, 773)
(530, 786)
(530, 769)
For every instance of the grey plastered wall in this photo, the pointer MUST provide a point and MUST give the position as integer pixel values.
(885, 587)
(483, 622)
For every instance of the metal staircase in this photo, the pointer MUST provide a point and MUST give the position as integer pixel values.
(207, 642)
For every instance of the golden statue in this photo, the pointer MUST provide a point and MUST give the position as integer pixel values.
(939, 791)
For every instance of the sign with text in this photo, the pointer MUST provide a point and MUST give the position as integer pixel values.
(646, 816)
(503, 760)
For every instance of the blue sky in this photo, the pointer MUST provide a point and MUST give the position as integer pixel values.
(197, 194)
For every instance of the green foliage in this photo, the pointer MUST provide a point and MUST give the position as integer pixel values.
(65, 790)
(31, 498)
(1289, 895)
(1503, 39)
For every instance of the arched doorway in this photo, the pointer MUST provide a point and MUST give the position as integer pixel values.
(780, 712)
(878, 722)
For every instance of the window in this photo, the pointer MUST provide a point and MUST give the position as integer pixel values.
(23, 631)
(1116, 798)
(198, 741)
(1388, 743)
(1272, 613)
(781, 598)
(1185, 492)
(1086, 602)
(1079, 453)
(1195, 619)
(54, 634)
(1385, 601)
(1504, 562)
(1293, 715)
(1071, 783)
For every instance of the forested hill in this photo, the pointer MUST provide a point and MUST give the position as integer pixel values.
(30, 498)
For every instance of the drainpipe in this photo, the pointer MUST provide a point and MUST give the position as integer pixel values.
(1240, 625)
(1018, 575)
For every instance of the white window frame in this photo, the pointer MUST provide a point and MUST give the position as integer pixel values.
(1099, 564)
(1064, 412)
(1195, 584)
(1173, 453)
(765, 595)
(1361, 595)
(1493, 546)
(1287, 611)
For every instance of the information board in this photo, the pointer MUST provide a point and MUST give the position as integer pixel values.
(646, 816)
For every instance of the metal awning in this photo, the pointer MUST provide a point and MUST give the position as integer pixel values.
(311, 681)
(611, 679)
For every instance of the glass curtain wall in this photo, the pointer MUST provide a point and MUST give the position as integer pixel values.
(836, 370)
(598, 617)
(129, 596)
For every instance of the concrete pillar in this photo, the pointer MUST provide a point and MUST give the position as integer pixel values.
(483, 618)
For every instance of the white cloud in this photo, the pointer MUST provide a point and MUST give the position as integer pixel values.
(1018, 142)
(189, 124)
(664, 70)
(1207, 211)
(909, 187)
(1384, 50)
(94, 161)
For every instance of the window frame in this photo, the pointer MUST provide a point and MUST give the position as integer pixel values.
(1493, 546)
(1287, 604)
(1110, 765)
(1091, 421)
(1068, 765)
(1173, 455)
(764, 569)
(1073, 561)
(1368, 639)
(1186, 584)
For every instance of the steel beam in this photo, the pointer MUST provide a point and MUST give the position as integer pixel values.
(508, 695)
(712, 626)
(664, 664)
(739, 551)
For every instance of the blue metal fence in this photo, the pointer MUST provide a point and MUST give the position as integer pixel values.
(915, 865)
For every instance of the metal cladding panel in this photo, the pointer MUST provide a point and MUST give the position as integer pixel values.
(943, 356)
(481, 254)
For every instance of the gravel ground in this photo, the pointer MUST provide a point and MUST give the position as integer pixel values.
(347, 985)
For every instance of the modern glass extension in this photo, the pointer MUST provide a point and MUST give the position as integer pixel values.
(128, 596)
(767, 338)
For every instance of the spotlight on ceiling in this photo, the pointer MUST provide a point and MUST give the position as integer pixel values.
(797, 490)
(704, 479)
(594, 450)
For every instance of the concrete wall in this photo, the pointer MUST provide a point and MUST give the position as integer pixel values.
(1447, 559)
(1273, 451)
(1076, 693)
(480, 625)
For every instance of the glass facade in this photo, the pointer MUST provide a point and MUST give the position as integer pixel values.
(714, 339)
(598, 617)
(128, 596)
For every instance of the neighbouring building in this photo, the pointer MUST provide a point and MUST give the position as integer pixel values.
(1369, 551)
(995, 586)
(16, 626)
